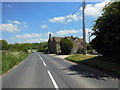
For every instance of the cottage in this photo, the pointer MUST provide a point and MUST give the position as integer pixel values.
(54, 44)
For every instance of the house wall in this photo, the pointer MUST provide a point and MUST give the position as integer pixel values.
(58, 48)
(78, 45)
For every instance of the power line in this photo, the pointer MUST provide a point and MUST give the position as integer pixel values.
(70, 16)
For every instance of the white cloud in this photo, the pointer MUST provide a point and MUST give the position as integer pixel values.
(8, 27)
(65, 32)
(62, 19)
(44, 26)
(29, 35)
(94, 10)
(38, 40)
(57, 19)
(20, 25)
(14, 22)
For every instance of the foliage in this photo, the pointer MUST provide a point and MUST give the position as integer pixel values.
(42, 47)
(19, 47)
(4, 44)
(107, 31)
(89, 47)
(10, 59)
(39, 45)
(23, 46)
(66, 45)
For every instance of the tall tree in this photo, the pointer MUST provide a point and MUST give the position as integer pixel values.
(107, 31)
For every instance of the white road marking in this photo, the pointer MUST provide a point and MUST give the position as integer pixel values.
(50, 75)
(40, 57)
(53, 80)
(44, 64)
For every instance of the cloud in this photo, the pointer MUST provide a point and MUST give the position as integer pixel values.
(9, 27)
(29, 35)
(14, 22)
(65, 32)
(18, 24)
(94, 10)
(38, 40)
(57, 19)
(44, 26)
(62, 19)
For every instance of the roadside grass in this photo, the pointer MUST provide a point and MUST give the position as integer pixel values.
(10, 59)
(95, 61)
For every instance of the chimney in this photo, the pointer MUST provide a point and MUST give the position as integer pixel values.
(50, 35)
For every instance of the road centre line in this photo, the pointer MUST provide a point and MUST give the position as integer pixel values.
(50, 75)
(44, 63)
(53, 80)
(40, 57)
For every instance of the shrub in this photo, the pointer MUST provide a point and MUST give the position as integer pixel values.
(66, 45)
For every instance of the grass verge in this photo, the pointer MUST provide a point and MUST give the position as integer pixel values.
(10, 59)
(95, 61)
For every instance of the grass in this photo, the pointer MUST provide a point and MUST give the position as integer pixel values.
(78, 58)
(10, 59)
(95, 61)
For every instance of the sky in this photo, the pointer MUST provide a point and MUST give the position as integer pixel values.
(31, 22)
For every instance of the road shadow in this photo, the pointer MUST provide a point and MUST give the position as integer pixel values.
(92, 72)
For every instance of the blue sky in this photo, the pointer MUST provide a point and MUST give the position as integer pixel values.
(32, 21)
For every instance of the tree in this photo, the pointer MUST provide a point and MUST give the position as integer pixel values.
(66, 45)
(4, 44)
(107, 31)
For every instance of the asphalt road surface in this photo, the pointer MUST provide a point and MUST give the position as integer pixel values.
(45, 71)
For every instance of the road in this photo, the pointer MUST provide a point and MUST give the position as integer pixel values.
(45, 71)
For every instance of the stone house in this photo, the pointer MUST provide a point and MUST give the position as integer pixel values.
(54, 44)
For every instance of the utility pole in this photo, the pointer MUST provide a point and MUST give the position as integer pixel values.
(84, 33)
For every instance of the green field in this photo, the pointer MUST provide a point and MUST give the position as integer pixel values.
(10, 59)
(95, 61)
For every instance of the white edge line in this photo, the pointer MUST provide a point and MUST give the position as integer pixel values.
(53, 81)
(44, 64)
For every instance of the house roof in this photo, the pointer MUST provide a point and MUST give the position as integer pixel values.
(57, 39)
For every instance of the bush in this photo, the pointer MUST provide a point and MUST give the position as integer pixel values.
(4, 45)
(66, 45)
(41, 50)
(107, 32)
